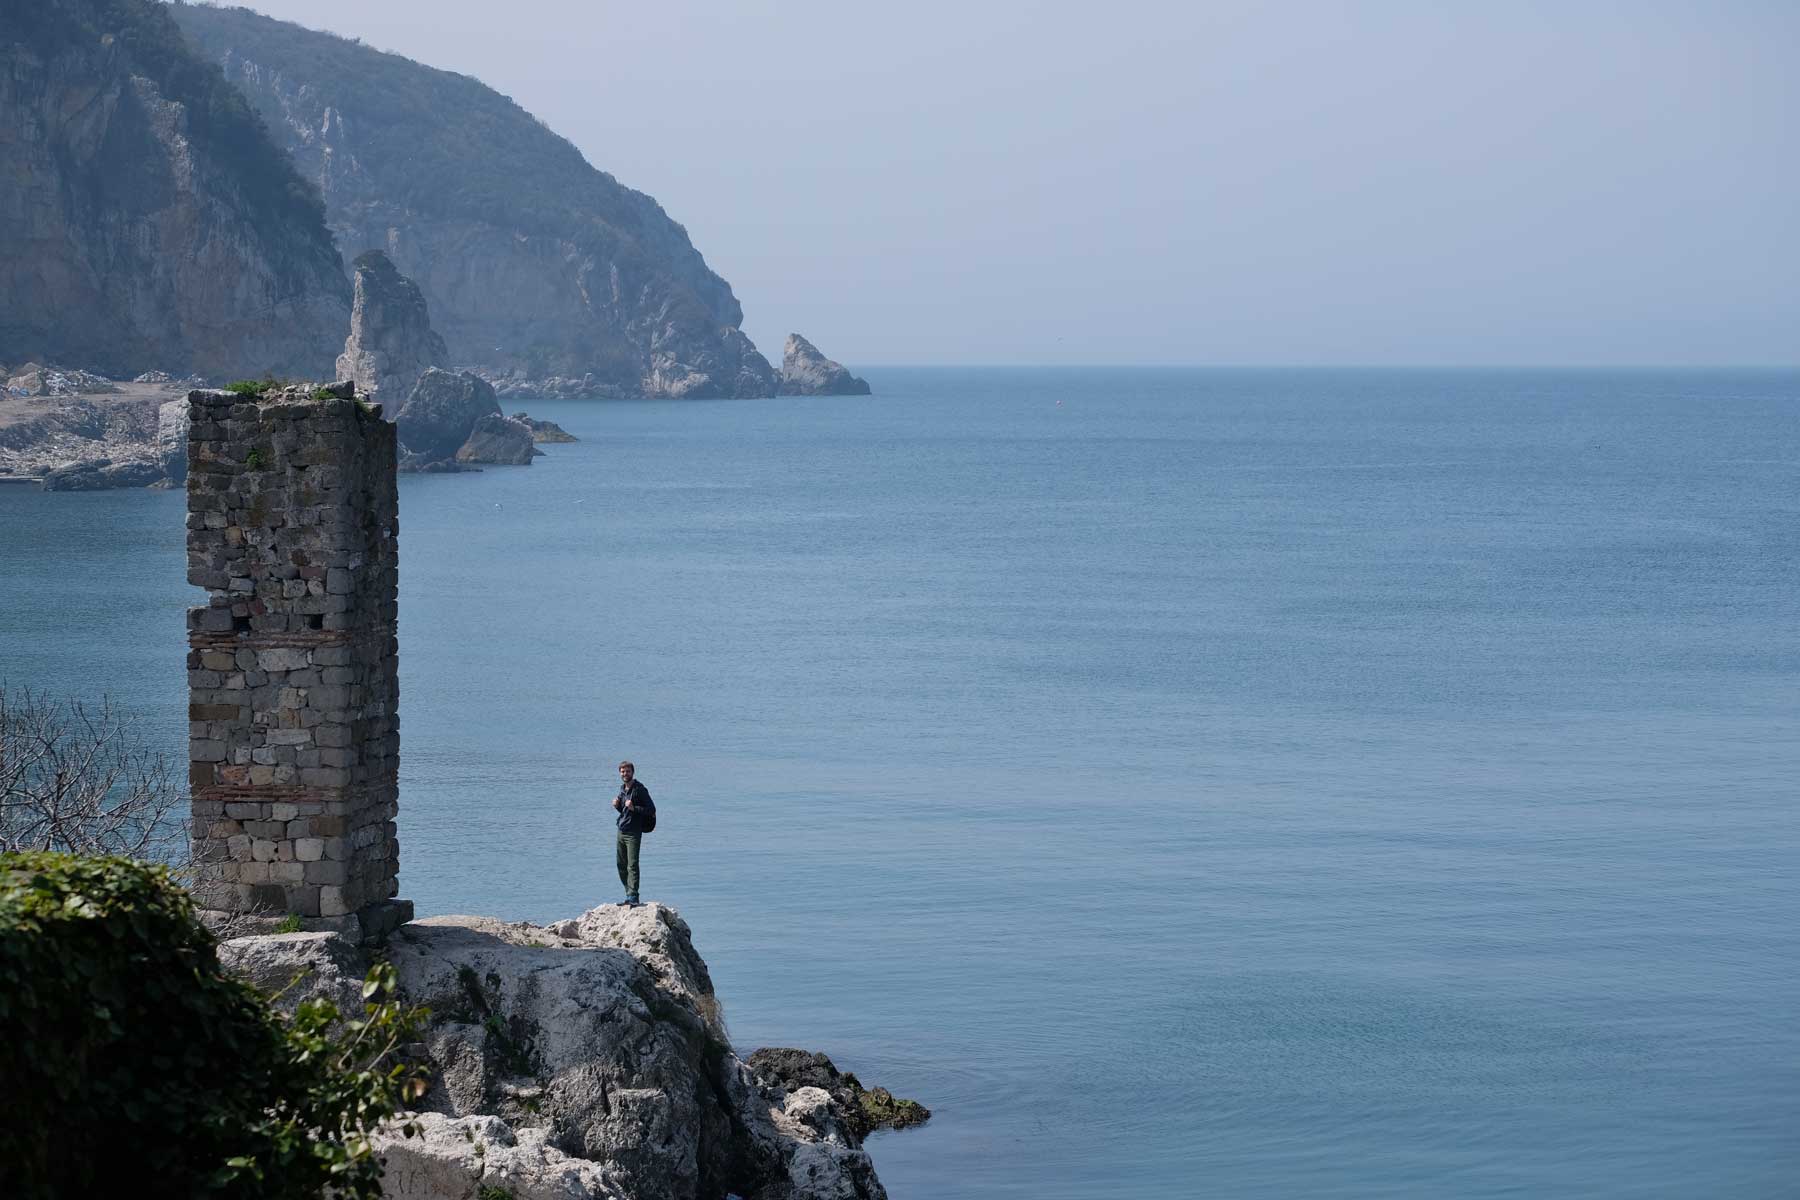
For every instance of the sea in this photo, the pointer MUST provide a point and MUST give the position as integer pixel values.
(1237, 783)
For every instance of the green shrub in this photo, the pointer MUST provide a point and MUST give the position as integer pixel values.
(254, 388)
(289, 924)
(122, 1041)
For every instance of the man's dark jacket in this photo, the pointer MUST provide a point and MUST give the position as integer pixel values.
(636, 806)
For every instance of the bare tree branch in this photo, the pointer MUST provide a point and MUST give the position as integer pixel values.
(79, 778)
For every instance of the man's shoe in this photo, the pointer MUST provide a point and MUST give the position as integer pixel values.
(631, 901)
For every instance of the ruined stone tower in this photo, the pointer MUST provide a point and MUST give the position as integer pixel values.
(292, 662)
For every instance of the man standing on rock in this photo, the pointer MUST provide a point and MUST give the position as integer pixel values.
(637, 816)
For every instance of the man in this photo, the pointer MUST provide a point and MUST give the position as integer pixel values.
(637, 816)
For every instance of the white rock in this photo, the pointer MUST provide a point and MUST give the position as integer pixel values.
(452, 1157)
(588, 1056)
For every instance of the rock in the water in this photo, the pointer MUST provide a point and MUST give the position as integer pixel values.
(588, 1056)
(440, 414)
(806, 372)
(498, 439)
(546, 432)
(391, 341)
(100, 474)
(864, 1109)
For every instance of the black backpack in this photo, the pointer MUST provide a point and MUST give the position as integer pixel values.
(647, 814)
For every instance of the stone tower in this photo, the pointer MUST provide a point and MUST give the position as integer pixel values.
(294, 733)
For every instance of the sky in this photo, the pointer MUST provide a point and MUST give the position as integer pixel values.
(996, 181)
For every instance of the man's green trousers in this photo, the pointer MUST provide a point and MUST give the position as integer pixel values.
(629, 845)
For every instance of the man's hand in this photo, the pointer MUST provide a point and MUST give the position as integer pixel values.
(617, 802)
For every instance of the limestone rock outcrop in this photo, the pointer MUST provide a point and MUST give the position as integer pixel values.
(173, 420)
(806, 372)
(440, 414)
(862, 1110)
(148, 219)
(330, 967)
(474, 1156)
(536, 265)
(391, 340)
(546, 432)
(588, 1056)
(497, 439)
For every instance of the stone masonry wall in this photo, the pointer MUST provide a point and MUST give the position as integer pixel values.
(294, 733)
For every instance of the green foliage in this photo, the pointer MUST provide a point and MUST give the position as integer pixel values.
(256, 460)
(488, 1191)
(119, 1031)
(254, 388)
(289, 924)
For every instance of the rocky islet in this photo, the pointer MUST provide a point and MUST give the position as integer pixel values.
(807, 372)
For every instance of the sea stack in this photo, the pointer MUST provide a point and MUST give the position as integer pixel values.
(806, 372)
(391, 340)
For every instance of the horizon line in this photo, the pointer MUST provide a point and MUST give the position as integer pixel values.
(1395, 366)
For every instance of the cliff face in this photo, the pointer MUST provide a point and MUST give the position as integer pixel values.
(588, 1057)
(146, 218)
(532, 261)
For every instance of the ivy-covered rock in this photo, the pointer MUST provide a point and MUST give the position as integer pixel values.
(122, 1042)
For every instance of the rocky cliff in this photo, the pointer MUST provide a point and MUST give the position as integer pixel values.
(535, 265)
(147, 219)
(806, 372)
(584, 1058)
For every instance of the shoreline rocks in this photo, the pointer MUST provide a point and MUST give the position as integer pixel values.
(589, 1055)
(864, 1110)
(133, 434)
(439, 414)
(806, 372)
(452, 420)
(506, 441)
(105, 435)
(545, 432)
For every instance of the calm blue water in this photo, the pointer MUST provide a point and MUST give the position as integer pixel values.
(1228, 783)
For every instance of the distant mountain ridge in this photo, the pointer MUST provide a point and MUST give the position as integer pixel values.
(148, 220)
(532, 260)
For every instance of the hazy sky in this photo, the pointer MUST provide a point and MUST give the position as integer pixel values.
(1311, 183)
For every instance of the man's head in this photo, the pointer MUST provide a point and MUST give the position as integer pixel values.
(626, 771)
